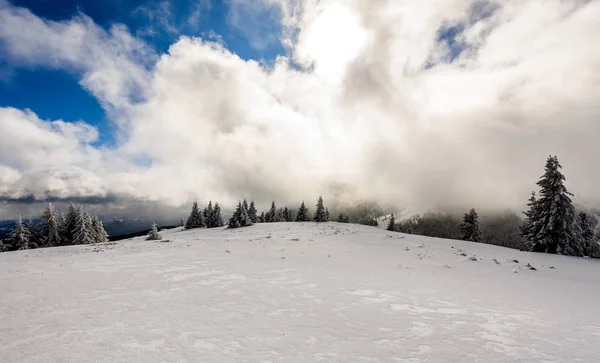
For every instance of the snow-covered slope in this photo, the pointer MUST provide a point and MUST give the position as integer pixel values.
(295, 292)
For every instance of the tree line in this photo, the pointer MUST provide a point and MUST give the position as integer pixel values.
(77, 227)
(551, 223)
(246, 215)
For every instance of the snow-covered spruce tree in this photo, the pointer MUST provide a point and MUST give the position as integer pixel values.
(326, 214)
(320, 213)
(341, 218)
(50, 227)
(586, 232)
(240, 217)
(252, 213)
(100, 234)
(153, 235)
(70, 223)
(469, 228)
(196, 218)
(346, 219)
(391, 225)
(34, 234)
(217, 220)
(303, 215)
(552, 227)
(527, 229)
(208, 215)
(261, 219)
(83, 228)
(20, 236)
(279, 216)
(245, 205)
(181, 223)
(272, 214)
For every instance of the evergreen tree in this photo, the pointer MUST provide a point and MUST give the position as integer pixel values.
(153, 235)
(527, 229)
(34, 235)
(320, 213)
(279, 216)
(196, 218)
(20, 236)
(50, 227)
(252, 212)
(181, 223)
(303, 215)
(469, 228)
(100, 234)
(208, 215)
(240, 217)
(217, 220)
(392, 225)
(326, 214)
(272, 214)
(70, 224)
(347, 219)
(261, 219)
(83, 232)
(341, 218)
(552, 228)
(586, 232)
(245, 205)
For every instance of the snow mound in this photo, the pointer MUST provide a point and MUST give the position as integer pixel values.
(297, 292)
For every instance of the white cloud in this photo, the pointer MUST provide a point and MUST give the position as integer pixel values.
(381, 114)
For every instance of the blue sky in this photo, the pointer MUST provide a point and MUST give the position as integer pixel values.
(56, 94)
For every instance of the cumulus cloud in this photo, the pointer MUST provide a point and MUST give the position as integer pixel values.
(419, 103)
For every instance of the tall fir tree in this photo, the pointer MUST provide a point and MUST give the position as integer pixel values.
(83, 232)
(392, 224)
(196, 218)
(261, 219)
(208, 215)
(320, 213)
(326, 214)
(70, 224)
(20, 236)
(469, 228)
(153, 235)
(34, 235)
(586, 232)
(341, 218)
(272, 214)
(217, 220)
(303, 214)
(50, 234)
(552, 227)
(240, 217)
(100, 234)
(527, 229)
(252, 213)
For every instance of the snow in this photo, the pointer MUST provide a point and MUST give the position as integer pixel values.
(296, 292)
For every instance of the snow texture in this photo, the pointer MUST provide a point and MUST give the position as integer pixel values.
(297, 292)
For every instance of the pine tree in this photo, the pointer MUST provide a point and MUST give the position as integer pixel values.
(70, 225)
(100, 234)
(50, 227)
(261, 219)
(392, 225)
(83, 232)
(303, 215)
(341, 218)
(585, 227)
(208, 215)
(181, 223)
(240, 217)
(153, 235)
(34, 235)
(469, 228)
(217, 220)
(326, 214)
(527, 229)
(272, 214)
(20, 236)
(252, 213)
(279, 216)
(196, 218)
(347, 219)
(245, 205)
(552, 227)
(320, 213)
